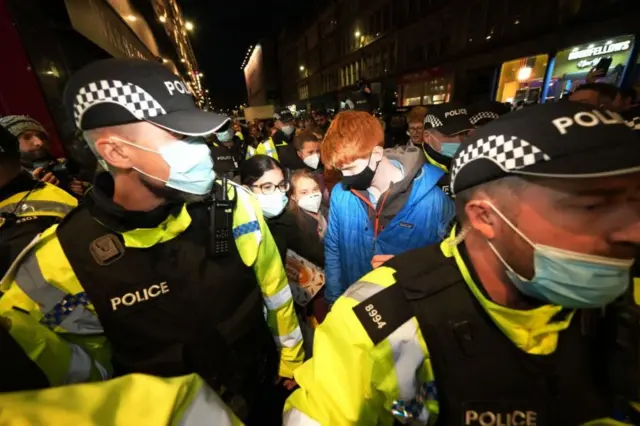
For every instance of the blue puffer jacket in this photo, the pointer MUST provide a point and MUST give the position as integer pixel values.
(350, 241)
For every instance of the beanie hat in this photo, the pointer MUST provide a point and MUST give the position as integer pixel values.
(18, 124)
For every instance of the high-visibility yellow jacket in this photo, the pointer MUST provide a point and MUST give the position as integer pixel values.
(134, 399)
(268, 147)
(47, 200)
(42, 283)
(28, 209)
(351, 381)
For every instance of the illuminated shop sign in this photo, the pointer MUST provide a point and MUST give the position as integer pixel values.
(598, 50)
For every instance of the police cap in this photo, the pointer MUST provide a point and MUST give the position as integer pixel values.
(117, 91)
(558, 140)
(449, 119)
(482, 113)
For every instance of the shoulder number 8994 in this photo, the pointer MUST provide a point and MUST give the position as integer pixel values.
(373, 313)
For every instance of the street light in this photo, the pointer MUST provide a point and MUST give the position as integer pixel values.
(189, 25)
(163, 19)
(131, 18)
(301, 67)
(357, 34)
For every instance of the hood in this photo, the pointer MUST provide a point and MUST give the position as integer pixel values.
(412, 160)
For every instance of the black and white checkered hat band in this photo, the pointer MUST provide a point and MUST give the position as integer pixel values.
(510, 153)
(634, 123)
(482, 115)
(433, 121)
(134, 98)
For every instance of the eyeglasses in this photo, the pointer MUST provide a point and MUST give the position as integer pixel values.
(416, 129)
(269, 188)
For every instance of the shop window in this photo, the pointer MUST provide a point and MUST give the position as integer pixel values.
(413, 94)
(521, 79)
(572, 64)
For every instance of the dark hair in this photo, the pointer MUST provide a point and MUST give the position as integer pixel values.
(255, 167)
(629, 92)
(299, 140)
(603, 89)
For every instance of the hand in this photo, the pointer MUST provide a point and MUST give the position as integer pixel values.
(48, 177)
(288, 384)
(77, 187)
(379, 259)
(593, 75)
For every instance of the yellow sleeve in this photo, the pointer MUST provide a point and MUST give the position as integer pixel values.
(135, 399)
(258, 250)
(37, 290)
(281, 313)
(351, 381)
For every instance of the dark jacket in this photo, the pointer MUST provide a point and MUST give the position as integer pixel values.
(226, 161)
(14, 237)
(289, 234)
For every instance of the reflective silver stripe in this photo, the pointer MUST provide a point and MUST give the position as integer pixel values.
(207, 409)
(31, 206)
(31, 281)
(79, 366)
(291, 339)
(362, 290)
(407, 358)
(295, 417)
(278, 299)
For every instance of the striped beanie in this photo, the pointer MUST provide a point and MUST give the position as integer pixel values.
(18, 124)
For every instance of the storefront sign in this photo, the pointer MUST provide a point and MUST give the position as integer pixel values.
(604, 49)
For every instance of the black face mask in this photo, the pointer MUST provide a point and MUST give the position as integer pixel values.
(362, 180)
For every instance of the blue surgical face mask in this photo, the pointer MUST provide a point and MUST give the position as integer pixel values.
(449, 148)
(570, 279)
(288, 130)
(190, 166)
(273, 204)
(226, 136)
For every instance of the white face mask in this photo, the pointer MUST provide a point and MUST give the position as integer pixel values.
(312, 161)
(273, 204)
(311, 203)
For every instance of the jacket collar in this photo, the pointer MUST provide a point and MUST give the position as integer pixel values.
(534, 331)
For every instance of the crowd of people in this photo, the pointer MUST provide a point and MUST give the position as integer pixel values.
(454, 265)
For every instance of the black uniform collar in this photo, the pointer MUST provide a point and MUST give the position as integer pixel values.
(21, 183)
(100, 203)
(439, 158)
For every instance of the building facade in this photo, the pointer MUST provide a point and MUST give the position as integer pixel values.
(433, 51)
(261, 74)
(47, 41)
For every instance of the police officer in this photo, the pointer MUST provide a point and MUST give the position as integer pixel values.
(492, 327)
(282, 136)
(134, 399)
(445, 127)
(360, 99)
(27, 206)
(227, 149)
(164, 270)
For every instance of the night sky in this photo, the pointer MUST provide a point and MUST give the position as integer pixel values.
(224, 30)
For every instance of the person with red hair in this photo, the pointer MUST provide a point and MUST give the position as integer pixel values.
(388, 202)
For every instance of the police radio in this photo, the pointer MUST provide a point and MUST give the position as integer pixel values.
(221, 221)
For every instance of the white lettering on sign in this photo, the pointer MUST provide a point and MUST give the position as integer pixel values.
(455, 112)
(177, 86)
(600, 50)
(587, 119)
(143, 295)
(491, 418)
